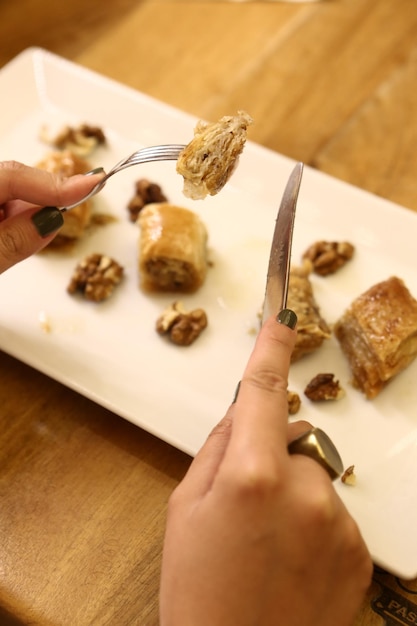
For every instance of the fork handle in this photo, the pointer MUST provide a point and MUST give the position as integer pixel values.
(95, 189)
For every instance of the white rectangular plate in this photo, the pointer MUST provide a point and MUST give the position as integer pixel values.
(111, 353)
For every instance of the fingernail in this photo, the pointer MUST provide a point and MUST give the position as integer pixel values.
(47, 220)
(96, 170)
(288, 318)
(236, 392)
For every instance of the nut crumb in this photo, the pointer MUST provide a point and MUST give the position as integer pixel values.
(145, 193)
(328, 256)
(324, 387)
(349, 477)
(294, 402)
(182, 326)
(96, 277)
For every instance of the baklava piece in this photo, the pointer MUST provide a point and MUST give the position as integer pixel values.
(208, 161)
(172, 249)
(378, 335)
(96, 277)
(67, 164)
(312, 329)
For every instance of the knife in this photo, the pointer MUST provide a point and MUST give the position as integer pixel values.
(315, 443)
(279, 260)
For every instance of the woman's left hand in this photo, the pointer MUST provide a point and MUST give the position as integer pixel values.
(25, 228)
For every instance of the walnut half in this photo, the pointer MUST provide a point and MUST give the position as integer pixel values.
(81, 140)
(324, 387)
(146, 192)
(96, 277)
(182, 326)
(328, 256)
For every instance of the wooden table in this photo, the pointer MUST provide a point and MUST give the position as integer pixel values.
(83, 493)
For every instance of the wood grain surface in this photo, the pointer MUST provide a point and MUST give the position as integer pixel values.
(334, 84)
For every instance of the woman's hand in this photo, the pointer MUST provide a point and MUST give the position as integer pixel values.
(256, 537)
(24, 228)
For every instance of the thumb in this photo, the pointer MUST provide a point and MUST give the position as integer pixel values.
(203, 470)
(27, 232)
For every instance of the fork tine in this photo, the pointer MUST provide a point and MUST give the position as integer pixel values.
(154, 156)
(151, 150)
(154, 153)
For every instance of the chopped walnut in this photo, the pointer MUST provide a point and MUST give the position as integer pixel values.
(329, 256)
(294, 402)
(349, 477)
(81, 140)
(145, 193)
(182, 327)
(324, 387)
(96, 277)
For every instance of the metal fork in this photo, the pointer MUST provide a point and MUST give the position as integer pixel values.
(169, 152)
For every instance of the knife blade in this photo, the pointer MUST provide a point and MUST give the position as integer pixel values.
(280, 256)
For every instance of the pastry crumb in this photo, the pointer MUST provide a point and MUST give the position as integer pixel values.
(44, 322)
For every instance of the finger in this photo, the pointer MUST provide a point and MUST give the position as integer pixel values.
(296, 429)
(19, 181)
(25, 233)
(261, 416)
(203, 469)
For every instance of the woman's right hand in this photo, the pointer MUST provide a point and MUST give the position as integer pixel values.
(256, 536)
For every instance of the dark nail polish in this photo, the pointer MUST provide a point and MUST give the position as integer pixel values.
(236, 392)
(288, 318)
(96, 170)
(47, 220)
